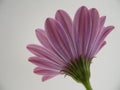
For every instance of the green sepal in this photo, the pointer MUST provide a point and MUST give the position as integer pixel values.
(79, 70)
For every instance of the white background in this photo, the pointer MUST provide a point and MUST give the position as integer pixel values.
(18, 21)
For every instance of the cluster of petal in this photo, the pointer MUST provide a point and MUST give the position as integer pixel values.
(64, 40)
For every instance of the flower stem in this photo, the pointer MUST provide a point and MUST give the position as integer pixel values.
(87, 85)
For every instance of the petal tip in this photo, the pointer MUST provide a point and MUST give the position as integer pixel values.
(82, 8)
(35, 70)
(28, 47)
(48, 20)
(60, 10)
(113, 27)
(94, 10)
(30, 59)
(37, 30)
(45, 78)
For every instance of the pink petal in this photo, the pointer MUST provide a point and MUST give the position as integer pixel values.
(97, 42)
(58, 39)
(45, 72)
(46, 77)
(100, 29)
(44, 52)
(44, 62)
(41, 35)
(106, 31)
(101, 36)
(102, 21)
(94, 29)
(99, 47)
(100, 41)
(66, 22)
(81, 30)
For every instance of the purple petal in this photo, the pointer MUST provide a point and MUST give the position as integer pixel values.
(45, 71)
(96, 42)
(100, 41)
(46, 77)
(102, 21)
(99, 47)
(94, 29)
(81, 30)
(58, 39)
(106, 31)
(66, 22)
(44, 52)
(41, 35)
(47, 74)
(100, 28)
(45, 63)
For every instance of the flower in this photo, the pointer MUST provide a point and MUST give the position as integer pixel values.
(68, 47)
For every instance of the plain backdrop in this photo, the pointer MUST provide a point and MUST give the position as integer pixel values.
(18, 21)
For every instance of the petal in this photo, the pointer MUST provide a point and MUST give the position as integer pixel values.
(100, 29)
(45, 72)
(46, 77)
(58, 39)
(106, 31)
(101, 36)
(41, 35)
(81, 30)
(99, 47)
(96, 42)
(66, 22)
(94, 29)
(45, 63)
(102, 21)
(100, 41)
(44, 52)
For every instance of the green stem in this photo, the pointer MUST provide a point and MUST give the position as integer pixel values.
(87, 85)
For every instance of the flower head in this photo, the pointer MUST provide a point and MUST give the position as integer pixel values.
(68, 46)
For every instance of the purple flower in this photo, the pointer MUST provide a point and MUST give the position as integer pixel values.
(69, 46)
